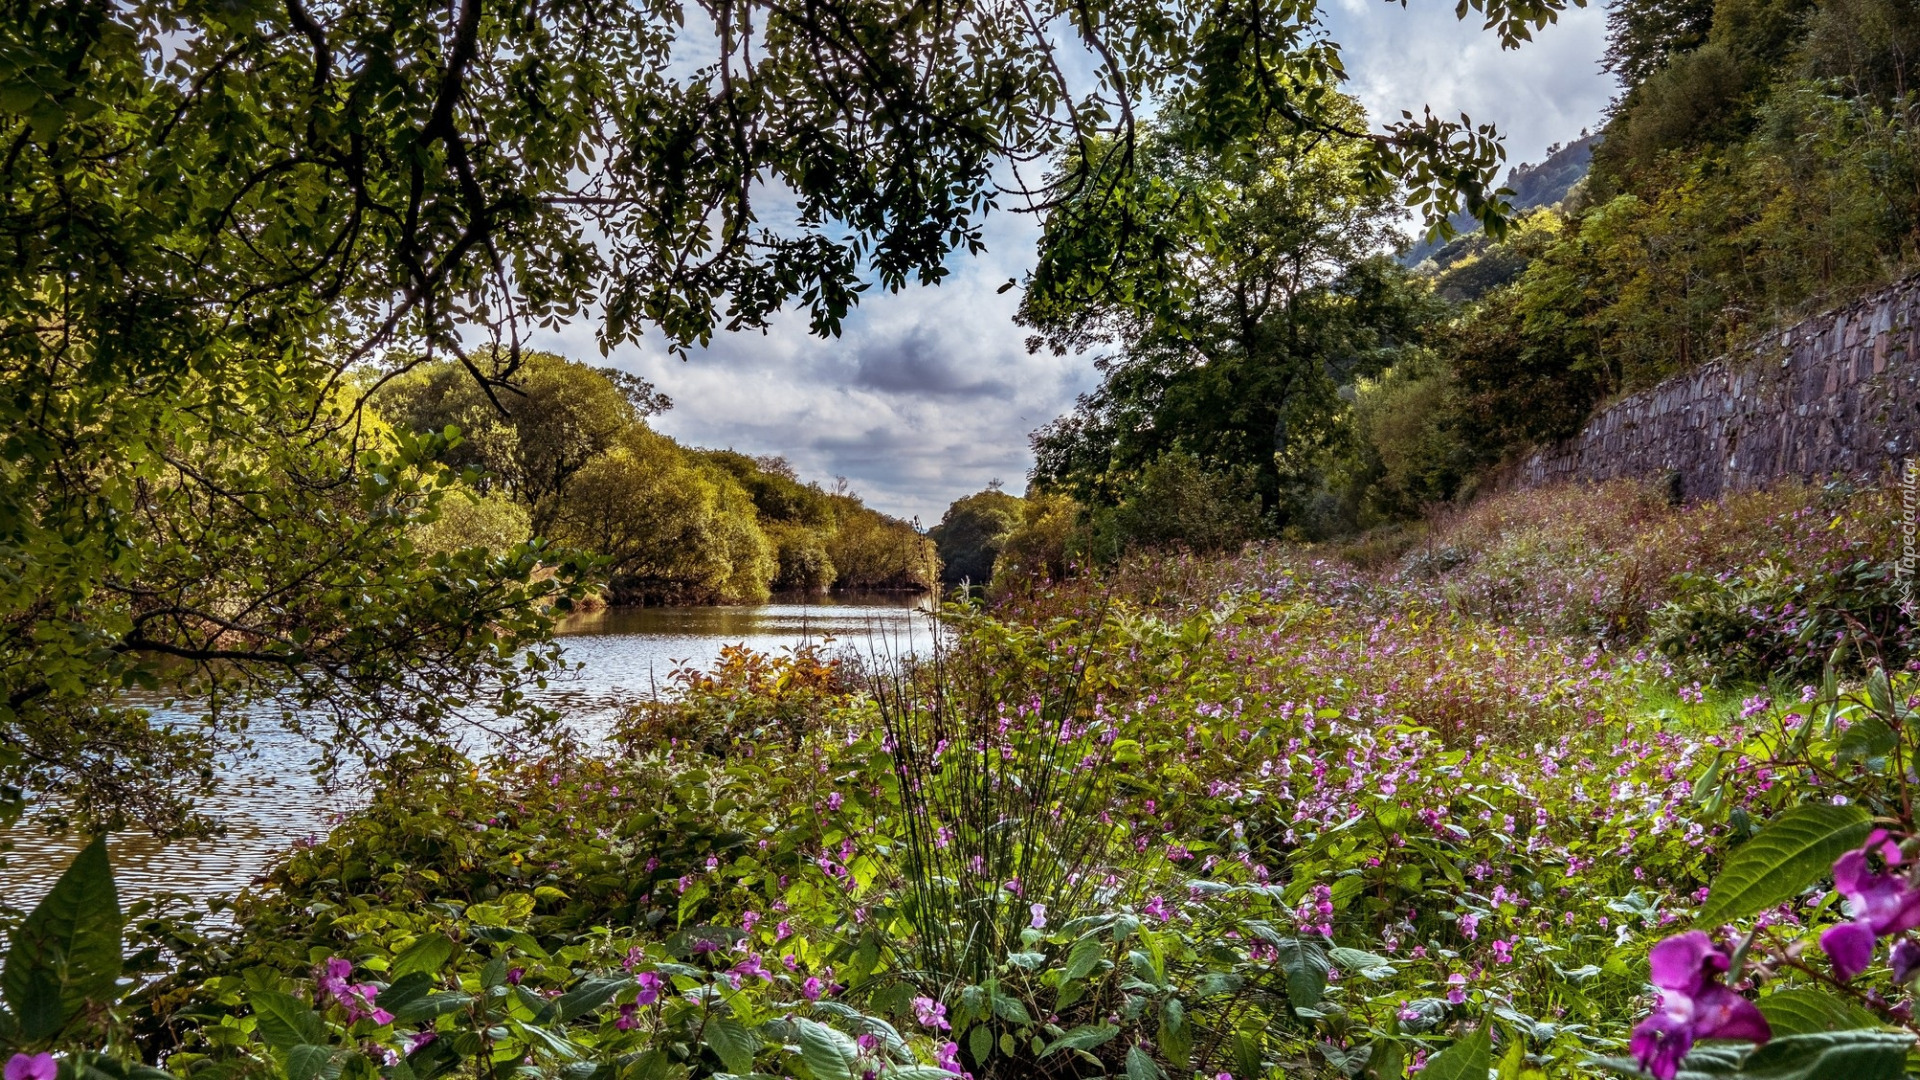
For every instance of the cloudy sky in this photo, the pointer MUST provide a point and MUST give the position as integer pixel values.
(931, 393)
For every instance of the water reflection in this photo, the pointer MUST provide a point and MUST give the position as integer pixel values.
(270, 799)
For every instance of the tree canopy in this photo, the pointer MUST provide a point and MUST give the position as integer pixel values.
(222, 224)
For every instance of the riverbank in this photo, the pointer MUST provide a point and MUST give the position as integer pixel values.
(1306, 811)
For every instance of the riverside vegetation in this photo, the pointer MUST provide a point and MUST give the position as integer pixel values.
(1557, 783)
(1445, 806)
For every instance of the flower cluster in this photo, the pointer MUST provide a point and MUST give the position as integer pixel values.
(356, 998)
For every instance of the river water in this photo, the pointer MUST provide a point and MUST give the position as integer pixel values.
(270, 798)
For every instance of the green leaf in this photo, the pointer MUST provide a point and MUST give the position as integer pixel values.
(1085, 955)
(1176, 1037)
(1468, 1059)
(1359, 962)
(1807, 1011)
(1869, 738)
(309, 1062)
(734, 1043)
(67, 952)
(1792, 852)
(980, 1042)
(1833, 1055)
(830, 1054)
(1140, 1066)
(429, 954)
(590, 995)
(284, 1021)
(1305, 962)
(1084, 1037)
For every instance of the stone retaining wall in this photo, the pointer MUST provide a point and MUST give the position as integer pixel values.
(1838, 394)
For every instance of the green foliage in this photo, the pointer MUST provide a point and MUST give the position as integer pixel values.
(973, 532)
(64, 958)
(1791, 853)
(1176, 501)
(1771, 620)
(1242, 291)
(873, 552)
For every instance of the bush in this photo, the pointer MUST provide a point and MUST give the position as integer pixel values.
(1177, 502)
(749, 697)
(1749, 625)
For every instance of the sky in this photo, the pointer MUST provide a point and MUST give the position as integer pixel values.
(930, 394)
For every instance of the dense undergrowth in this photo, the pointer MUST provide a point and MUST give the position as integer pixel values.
(1423, 803)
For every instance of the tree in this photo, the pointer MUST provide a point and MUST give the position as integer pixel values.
(1241, 291)
(972, 532)
(215, 220)
(558, 416)
(671, 527)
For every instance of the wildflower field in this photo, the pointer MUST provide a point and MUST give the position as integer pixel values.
(1574, 783)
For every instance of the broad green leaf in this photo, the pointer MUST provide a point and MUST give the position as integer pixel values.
(1085, 955)
(1833, 1055)
(1387, 1061)
(1360, 962)
(310, 1062)
(67, 951)
(1468, 1059)
(429, 954)
(1790, 853)
(829, 1053)
(1869, 738)
(980, 1042)
(1140, 1066)
(1176, 1037)
(1084, 1037)
(1305, 962)
(590, 995)
(734, 1044)
(285, 1022)
(1807, 1011)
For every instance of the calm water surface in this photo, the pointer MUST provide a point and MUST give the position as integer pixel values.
(270, 799)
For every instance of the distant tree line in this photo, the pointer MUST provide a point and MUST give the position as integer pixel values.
(568, 456)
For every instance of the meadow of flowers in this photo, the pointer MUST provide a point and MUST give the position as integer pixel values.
(1529, 798)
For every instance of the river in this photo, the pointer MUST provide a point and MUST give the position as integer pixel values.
(269, 799)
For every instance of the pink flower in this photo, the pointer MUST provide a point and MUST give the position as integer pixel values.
(1881, 904)
(1456, 989)
(931, 1014)
(948, 1057)
(419, 1039)
(1693, 1005)
(650, 985)
(812, 988)
(32, 1067)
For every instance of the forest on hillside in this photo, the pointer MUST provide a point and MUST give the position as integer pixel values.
(1269, 370)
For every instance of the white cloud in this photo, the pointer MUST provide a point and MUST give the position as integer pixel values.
(931, 393)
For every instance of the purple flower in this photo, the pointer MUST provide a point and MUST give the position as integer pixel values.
(419, 1039)
(1039, 916)
(931, 1014)
(1881, 904)
(812, 988)
(649, 988)
(948, 1057)
(32, 1067)
(1693, 1005)
(752, 966)
(629, 1018)
(1906, 960)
